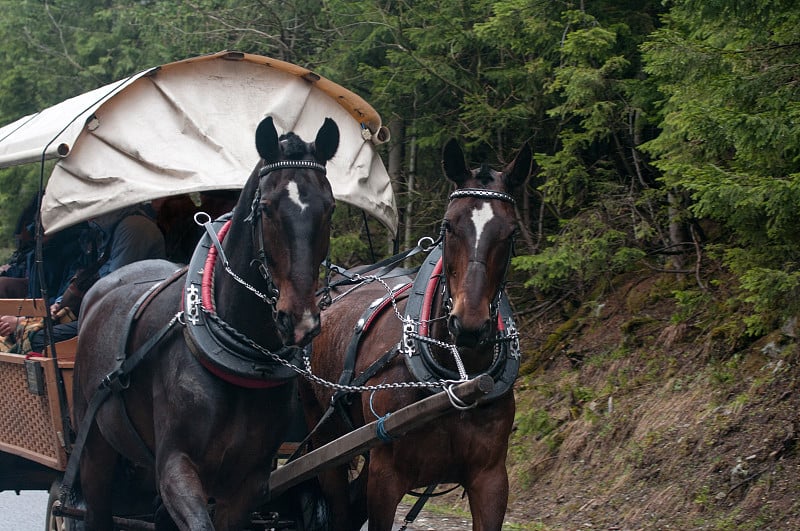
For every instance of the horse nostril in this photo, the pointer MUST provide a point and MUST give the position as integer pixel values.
(454, 326)
(285, 325)
(467, 337)
(486, 330)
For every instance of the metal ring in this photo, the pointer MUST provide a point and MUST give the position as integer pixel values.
(425, 239)
(457, 402)
(201, 218)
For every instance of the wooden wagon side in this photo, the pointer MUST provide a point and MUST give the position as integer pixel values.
(32, 452)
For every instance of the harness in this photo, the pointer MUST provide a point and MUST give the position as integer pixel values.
(419, 359)
(116, 381)
(219, 347)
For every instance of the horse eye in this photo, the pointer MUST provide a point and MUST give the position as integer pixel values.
(266, 209)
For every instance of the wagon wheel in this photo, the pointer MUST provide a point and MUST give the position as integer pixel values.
(59, 523)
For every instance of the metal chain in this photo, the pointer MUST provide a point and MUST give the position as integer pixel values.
(308, 374)
(202, 219)
(244, 339)
(269, 300)
(403, 346)
(462, 372)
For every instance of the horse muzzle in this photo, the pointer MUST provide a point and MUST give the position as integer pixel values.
(468, 336)
(297, 331)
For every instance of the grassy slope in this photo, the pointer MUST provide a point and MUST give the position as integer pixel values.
(636, 414)
(632, 418)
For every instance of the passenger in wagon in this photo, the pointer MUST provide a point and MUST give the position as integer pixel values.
(121, 237)
(61, 257)
(175, 218)
(20, 278)
(14, 274)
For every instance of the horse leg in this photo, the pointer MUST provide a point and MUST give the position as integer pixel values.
(183, 493)
(385, 489)
(488, 496)
(335, 488)
(233, 509)
(98, 460)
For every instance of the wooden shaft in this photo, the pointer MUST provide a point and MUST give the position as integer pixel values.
(362, 439)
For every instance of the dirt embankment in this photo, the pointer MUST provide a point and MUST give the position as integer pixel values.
(637, 414)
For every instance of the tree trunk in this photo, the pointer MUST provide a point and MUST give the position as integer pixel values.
(397, 128)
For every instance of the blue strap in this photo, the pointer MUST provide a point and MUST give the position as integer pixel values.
(380, 429)
(383, 435)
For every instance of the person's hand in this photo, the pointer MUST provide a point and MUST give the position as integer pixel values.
(4, 268)
(54, 308)
(8, 324)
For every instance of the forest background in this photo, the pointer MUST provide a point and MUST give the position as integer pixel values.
(666, 137)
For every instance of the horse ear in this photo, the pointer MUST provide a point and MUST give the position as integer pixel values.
(267, 140)
(453, 162)
(518, 169)
(327, 141)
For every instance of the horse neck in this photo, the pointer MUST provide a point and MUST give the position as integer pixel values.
(475, 359)
(237, 305)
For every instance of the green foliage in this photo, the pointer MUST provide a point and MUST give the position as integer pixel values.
(644, 117)
(586, 250)
(535, 422)
(730, 136)
(689, 302)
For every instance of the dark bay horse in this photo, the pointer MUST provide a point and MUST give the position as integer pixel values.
(458, 305)
(204, 404)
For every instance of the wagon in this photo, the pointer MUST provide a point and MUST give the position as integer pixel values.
(182, 127)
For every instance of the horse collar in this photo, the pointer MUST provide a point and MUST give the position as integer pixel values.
(418, 356)
(221, 349)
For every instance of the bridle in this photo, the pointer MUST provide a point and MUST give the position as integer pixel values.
(487, 195)
(254, 218)
(221, 348)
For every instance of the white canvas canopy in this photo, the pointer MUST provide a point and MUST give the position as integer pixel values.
(189, 126)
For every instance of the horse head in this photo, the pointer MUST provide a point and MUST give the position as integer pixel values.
(478, 236)
(289, 203)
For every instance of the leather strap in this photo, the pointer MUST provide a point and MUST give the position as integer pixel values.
(103, 391)
(112, 382)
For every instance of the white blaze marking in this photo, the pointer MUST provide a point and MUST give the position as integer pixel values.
(480, 217)
(294, 195)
